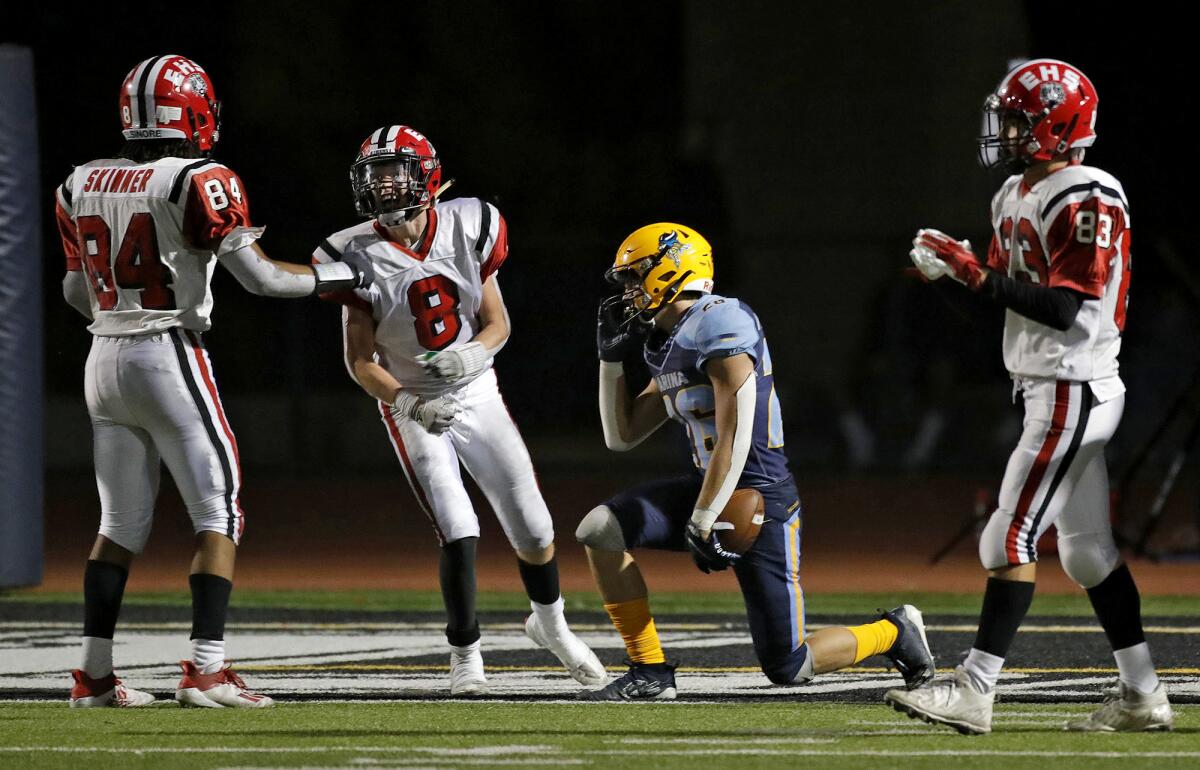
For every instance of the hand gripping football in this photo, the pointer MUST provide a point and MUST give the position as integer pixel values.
(740, 521)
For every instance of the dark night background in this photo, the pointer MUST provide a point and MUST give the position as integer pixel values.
(807, 142)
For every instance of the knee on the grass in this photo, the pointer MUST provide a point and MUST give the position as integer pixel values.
(1088, 557)
(601, 530)
(794, 667)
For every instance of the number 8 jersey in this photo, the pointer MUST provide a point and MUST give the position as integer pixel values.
(144, 234)
(1071, 229)
(426, 297)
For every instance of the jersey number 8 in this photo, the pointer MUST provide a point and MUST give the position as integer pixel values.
(434, 304)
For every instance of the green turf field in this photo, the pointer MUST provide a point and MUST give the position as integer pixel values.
(799, 731)
(1054, 605)
(450, 735)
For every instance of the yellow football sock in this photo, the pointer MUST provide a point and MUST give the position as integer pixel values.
(874, 638)
(634, 624)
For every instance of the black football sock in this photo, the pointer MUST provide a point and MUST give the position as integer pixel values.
(1005, 603)
(541, 580)
(1118, 607)
(210, 603)
(457, 576)
(103, 589)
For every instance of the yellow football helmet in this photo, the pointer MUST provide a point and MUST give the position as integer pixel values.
(658, 262)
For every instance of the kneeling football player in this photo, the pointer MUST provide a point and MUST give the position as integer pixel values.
(711, 371)
(421, 341)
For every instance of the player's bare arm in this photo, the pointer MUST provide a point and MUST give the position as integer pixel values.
(734, 395)
(358, 338)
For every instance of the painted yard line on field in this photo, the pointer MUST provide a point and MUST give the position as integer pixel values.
(734, 624)
(499, 751)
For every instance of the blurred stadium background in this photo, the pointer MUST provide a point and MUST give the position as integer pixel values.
(806, 141)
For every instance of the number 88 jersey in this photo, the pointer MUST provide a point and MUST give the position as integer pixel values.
(144, 234)
(426, 297)
(1072, 230)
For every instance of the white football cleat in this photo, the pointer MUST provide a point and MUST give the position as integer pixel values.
(224, 689)
(581, 663)
(466, 671)
(948, 700)
(1127, 710)
(105, 691)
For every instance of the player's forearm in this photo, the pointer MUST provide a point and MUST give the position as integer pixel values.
(735, 428)
(259, 274)
(75, 292)
(626, 421)
(1055, 307)
(493, 335)
(375, 380)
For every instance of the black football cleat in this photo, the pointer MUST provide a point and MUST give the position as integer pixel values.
(910, 653)
(643, 681)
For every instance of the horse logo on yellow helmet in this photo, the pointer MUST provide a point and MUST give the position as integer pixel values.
(657, 263)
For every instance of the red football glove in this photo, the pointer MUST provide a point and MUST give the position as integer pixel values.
(957, 255)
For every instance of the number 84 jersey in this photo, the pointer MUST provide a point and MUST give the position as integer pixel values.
(1071, 229)
(144, 235)
(426, 297)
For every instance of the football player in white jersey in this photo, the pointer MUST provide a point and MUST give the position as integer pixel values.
(421, 341)
(142, 233)
(1059, 263)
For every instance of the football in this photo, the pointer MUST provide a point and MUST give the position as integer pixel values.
(740, 521)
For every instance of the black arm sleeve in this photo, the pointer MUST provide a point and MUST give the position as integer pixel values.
(1055, 307)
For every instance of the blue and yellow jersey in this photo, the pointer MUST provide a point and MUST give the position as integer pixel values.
(717, 327)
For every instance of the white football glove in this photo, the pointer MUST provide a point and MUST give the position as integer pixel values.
(435, 415)
(930, 265)
(462, 363)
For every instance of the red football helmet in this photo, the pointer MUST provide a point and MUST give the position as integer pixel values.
(170, 97)
(396, 174)
(1053, 108)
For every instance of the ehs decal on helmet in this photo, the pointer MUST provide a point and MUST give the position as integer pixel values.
(170, 97)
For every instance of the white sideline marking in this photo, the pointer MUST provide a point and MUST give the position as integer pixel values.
(302, 628)
(617, 752)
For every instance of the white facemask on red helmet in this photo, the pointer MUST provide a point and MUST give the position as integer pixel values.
(170, 97)
(396, 174)
(1042, 109)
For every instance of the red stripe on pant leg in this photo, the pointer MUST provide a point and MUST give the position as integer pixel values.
(410, 474)
(1062, 402)
(198, 352)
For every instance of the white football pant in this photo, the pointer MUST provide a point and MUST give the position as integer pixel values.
(486, 442)
(150, 397)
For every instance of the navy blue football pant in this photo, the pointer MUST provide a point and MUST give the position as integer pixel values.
(655, 515)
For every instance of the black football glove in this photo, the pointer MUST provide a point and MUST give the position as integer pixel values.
(709, 555)
(364, 271)
(616, 337)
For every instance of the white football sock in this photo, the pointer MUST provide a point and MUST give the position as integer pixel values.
(551, 617)
(466, 649)
(1136, 669)
(983, 669)
(208, 655)
(97, 657)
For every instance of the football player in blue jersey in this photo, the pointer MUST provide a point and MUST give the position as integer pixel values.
(711, 370)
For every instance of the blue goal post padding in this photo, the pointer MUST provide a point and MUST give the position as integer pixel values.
(21, 394)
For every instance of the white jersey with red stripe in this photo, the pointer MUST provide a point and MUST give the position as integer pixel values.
(144, 234)
(1072, 230)
(426, 297)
